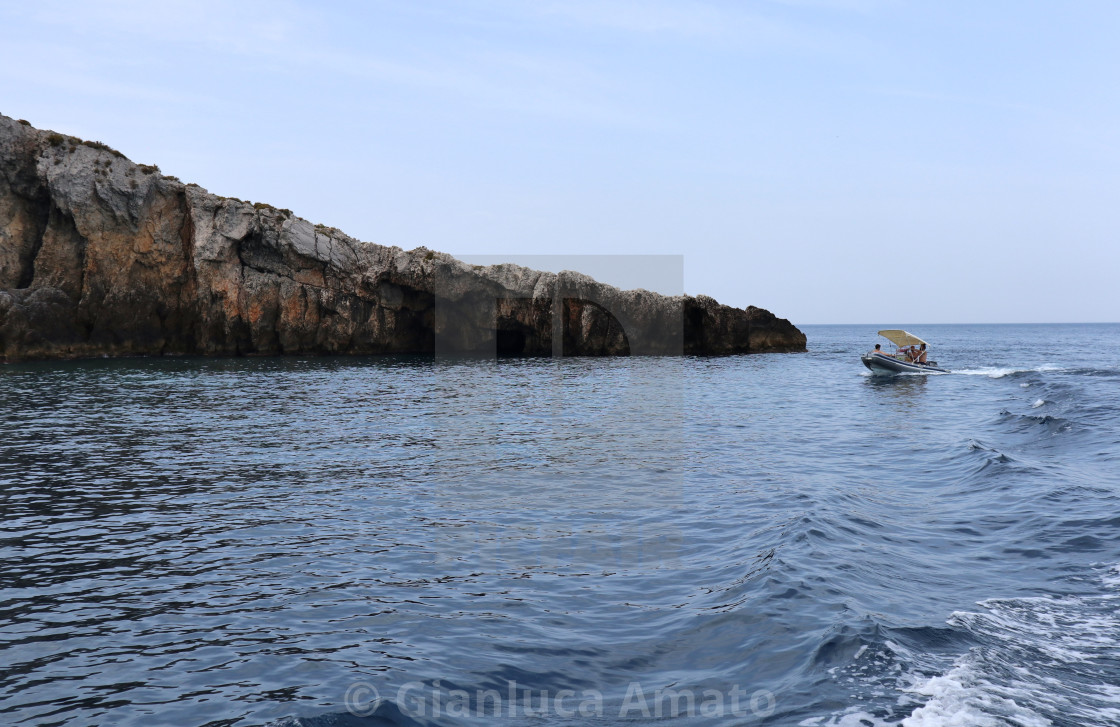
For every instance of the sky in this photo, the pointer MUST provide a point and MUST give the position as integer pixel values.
(834, 161)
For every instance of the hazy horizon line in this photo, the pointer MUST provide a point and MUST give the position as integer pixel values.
(985, 323)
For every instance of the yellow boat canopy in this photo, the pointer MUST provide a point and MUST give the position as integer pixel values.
(901, 338)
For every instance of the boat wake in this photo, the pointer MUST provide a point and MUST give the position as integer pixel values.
(1043, 661)
(1037, 662)
(998, 372)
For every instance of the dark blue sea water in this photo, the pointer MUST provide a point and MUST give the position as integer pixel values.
(769, 539)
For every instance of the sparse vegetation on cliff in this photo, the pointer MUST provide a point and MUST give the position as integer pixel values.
(102, 147)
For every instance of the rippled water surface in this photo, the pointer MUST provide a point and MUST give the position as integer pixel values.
(781, 539)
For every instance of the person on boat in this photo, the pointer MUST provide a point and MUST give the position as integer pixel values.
(920, 356)
(909, 352)
(878, 348)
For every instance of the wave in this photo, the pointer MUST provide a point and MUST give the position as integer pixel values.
(1106, 372)
(982, 466)
(375, 713)
(1031, 421)
(1036, 661)
(1043, 660)
(998, 372)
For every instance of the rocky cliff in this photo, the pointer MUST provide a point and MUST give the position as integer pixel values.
(101, 256)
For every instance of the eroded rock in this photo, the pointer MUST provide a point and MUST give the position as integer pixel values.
(101, 256)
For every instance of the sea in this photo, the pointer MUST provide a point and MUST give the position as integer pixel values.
(771, 539)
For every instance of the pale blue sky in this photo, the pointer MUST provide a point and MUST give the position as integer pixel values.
(832, 160)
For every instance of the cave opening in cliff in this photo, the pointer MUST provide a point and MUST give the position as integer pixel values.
(510, 342)
(590, 329)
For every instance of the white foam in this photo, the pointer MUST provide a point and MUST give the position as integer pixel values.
(1038, 403)
(994, 685)
(1038, 659)
(991, 372)
(853, 717)
(963, 697)
(998, 372)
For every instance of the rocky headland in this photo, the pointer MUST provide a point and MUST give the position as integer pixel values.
(103, 257)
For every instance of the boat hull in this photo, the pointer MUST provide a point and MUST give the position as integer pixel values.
(880, 363)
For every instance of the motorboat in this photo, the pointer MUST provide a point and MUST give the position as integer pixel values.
(903, 359)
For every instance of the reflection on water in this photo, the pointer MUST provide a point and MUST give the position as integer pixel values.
(899, 381)
(239, 541)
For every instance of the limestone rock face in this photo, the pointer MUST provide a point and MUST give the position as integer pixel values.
(101, 256)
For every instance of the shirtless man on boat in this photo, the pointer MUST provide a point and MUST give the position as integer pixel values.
(914, 353)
